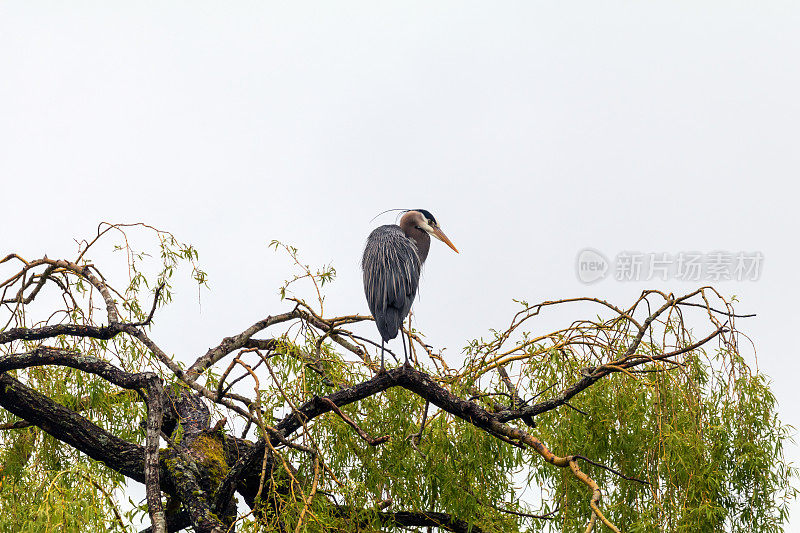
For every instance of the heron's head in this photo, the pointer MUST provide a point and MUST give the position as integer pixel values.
(424, 220)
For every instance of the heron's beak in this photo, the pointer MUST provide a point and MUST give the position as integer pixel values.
(439, 234)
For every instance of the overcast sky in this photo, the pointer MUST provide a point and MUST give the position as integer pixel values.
(531, 130)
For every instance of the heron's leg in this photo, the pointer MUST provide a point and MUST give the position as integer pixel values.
(382, 343)
(403, 338)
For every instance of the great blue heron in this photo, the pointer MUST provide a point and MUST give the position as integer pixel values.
(392, 261)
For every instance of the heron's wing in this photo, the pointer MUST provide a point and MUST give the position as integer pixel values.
(391, 268)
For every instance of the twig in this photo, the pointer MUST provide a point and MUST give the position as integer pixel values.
(620, 474)
(361, 433)
(153, 309)
(691, 304)
(584, 413)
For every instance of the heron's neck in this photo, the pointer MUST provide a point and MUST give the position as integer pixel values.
(420, 238)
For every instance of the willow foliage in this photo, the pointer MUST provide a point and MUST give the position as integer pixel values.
(677, 430)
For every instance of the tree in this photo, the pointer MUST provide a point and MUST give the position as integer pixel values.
(624, 421)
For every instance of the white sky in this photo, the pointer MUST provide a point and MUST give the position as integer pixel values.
(530, 129)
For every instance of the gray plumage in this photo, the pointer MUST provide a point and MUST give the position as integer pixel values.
(392, 262)
(391, 266)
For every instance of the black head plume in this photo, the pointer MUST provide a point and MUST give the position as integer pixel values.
(427, 214)
(388, 211)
